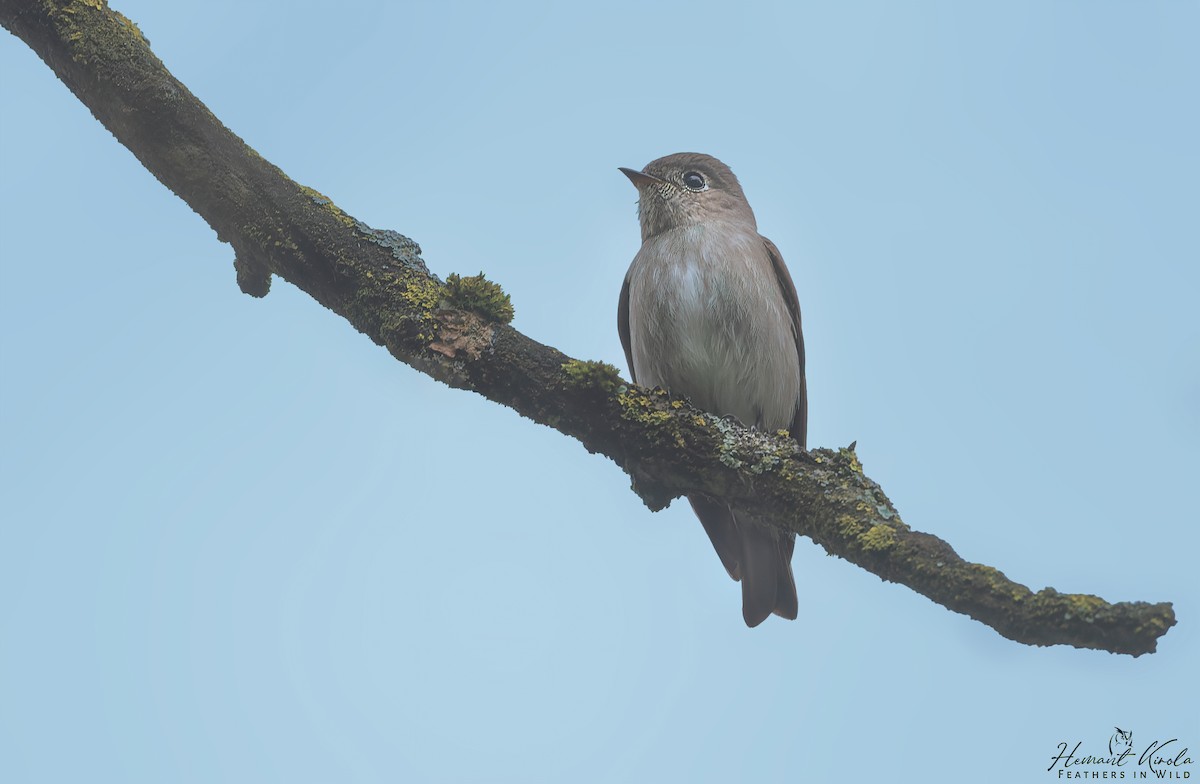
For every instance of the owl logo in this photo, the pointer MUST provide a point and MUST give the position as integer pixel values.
(1120, 742)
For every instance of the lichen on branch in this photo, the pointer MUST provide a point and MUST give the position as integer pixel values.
(458, 332)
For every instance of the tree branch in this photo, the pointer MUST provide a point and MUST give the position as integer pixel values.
(457, 332)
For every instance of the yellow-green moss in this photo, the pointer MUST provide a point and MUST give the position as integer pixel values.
(590, 373)
(314, 194)
(321, 200)
(132, 26)
(1084, 606)
(1154, 625)
(70, 8)
(400, 305)
(999, 584)
(63, 17)
(421, 293)
(880, 537)
(638, 407)
(644, 408)
(480, 295)
(848, 526)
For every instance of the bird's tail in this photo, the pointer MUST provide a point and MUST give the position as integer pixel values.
(766, 566)
(758, 555)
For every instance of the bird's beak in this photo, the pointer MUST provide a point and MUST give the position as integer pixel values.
(641, 178)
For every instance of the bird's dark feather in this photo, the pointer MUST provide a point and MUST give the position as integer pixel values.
(799, 428)
(623, 327)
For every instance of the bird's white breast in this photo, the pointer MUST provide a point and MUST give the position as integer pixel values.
(707, 320)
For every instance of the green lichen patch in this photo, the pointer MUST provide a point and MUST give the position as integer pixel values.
(880, 537)
(479, 295)
(592, 374)
(652, 410)
(422, 294)
(397, 306)
(323, 201)
(636, 406)
(753, 450)
(1083, 606)
(73, 7)
(404, 250)
(728, 450)
(1154, 626)
(848, 526)
(999, 584)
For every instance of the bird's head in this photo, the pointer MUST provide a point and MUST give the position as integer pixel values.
(687, 188)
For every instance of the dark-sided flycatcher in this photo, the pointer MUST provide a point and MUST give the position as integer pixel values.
(709, 311)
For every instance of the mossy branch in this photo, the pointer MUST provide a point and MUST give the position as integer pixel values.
(458, 333)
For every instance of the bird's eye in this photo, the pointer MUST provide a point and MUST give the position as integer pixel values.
(694, 181)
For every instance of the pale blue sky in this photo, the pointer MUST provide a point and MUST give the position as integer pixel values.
(241, 543)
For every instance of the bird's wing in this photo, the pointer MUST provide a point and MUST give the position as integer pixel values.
(623, 327)
(799, 428)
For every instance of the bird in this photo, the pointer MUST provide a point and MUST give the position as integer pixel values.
(708, 311)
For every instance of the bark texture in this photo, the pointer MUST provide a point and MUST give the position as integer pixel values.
(457, 332)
